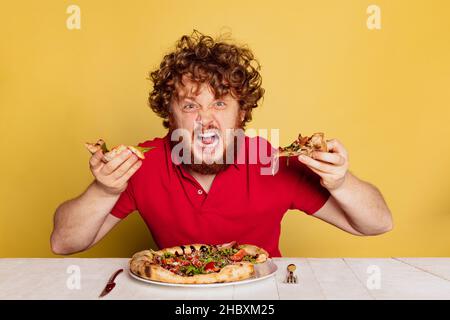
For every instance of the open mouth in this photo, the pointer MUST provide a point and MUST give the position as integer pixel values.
(208, 139)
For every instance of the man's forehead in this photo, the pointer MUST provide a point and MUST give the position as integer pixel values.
(193, 90)
(189, 88)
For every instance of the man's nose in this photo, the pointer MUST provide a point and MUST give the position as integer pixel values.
(205, 117)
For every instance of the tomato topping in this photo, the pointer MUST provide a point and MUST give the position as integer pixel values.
(210, 266)
(167, 261)
(183, 262)
(238, 256)
(175, 269)
(196, 262)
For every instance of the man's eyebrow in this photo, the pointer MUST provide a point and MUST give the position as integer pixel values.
(189, 98)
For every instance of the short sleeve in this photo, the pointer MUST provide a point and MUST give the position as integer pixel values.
(308, 194)
(126, 203)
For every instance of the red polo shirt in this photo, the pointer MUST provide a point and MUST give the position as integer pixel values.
(242, 204)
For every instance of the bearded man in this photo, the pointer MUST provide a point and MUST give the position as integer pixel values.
(204, 180)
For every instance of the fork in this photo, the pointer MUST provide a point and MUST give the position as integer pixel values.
(291, 277)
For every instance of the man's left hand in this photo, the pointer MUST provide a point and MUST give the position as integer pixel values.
(331, 166)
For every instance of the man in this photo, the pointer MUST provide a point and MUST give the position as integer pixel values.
(195, 194)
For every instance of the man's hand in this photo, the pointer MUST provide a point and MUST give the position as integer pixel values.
(81, 222)
(332, 166)
(356, 206)
(112, 177)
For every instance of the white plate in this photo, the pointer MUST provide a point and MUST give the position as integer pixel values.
(262, 271)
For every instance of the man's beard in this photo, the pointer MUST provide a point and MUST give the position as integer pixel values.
(216, 166)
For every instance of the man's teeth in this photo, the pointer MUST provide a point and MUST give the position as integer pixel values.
(207, 137)
(207, 134)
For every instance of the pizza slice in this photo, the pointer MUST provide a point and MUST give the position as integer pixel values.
(198, 263)
(108, 155)
(304, 145)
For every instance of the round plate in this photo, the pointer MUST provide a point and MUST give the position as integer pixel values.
(262, 271)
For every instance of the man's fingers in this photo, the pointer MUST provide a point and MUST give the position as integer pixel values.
(336, 146)
(311, 163)
(333, 158)
(127, 175)
(320, 173)
(116, 162)
(124, 167)
(96, 160)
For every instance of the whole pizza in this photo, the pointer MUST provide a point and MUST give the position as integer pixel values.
(198, 263)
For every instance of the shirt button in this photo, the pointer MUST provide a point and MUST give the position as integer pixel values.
(200, 191)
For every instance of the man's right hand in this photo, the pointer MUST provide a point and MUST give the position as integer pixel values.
(113, 176)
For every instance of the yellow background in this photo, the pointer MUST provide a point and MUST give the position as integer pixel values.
(384, 93)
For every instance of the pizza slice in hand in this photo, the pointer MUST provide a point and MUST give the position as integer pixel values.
(305, 145)
(108, 155)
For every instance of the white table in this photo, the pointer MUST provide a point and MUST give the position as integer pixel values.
(400, 278)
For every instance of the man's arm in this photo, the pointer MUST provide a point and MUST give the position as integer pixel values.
(358, 208)
(81, 222)
(77, 222)
(355, 206)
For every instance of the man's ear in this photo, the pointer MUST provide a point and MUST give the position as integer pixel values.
(242, 115)
(170, 119)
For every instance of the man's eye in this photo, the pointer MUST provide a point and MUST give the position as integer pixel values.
(220, 104)
(189, 107)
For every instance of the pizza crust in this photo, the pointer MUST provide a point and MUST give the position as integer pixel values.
(262, 254)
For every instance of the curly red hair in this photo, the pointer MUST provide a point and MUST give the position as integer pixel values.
(227, 68)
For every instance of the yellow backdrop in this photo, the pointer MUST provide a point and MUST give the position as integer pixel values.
(384, 93)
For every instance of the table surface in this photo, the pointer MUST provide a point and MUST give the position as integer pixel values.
(318, 278)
